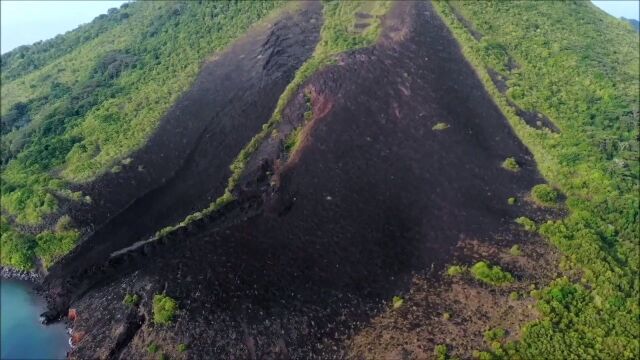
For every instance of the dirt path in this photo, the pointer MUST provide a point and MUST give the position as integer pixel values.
(373, 195)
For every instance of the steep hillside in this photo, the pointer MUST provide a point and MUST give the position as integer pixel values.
(330, 180)
(76, 106)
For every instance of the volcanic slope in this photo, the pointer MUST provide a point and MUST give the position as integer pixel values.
(190, 152)
(397, 160)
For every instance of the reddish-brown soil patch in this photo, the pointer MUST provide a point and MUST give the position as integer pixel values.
(374, 200)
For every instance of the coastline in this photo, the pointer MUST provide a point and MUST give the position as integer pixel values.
(11, 273)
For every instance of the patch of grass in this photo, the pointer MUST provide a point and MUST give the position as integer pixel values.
(544, 194)
(397, 302)
(440, 351)
(182, 347)
(527, 223)
(292, 140)
(52, 245)
(494, 334)
(152, 348)
(440, 126)
(164, 309)
(446, 316)
(512, 201)
(492, 275)
(515, 250)
(514, 295)
(456, 270)
(131, 299)
(511, 164)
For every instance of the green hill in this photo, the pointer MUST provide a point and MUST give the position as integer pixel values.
(579, 67)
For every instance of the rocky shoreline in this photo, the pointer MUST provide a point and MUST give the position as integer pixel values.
(11, 273)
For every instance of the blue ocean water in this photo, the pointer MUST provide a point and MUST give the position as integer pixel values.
(22, 335)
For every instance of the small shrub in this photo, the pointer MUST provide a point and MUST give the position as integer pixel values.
(440, 351)
(440, 126)
(182, 347)
(515, 250)
(527, 223)
(152, 349)
(544, 194)
(511, 164)
(514, 295)
(455, 270)
(397, 302)
(493, 275)
(164, 309)
(64, 224)
(512, 201)
(494, 334)
(131, 299)
(446, 316)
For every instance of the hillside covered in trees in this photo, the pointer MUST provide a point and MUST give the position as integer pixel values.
(446, 179)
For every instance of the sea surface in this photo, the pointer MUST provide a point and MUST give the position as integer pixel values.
(22, 335)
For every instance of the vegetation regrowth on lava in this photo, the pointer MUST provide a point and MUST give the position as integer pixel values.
(164, 309)
(492, 275)
(579, 66)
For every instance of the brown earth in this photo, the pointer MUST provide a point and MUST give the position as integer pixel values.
(373, 203)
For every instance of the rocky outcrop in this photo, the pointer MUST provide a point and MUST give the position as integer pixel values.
(11, 273)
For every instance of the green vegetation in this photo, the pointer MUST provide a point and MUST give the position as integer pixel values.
(514, 295)
(292, 140)
(182, 347)
(164, 309)
(544, 194)
(153, 348)
(446, 316)
(440, 126)
(131, 299)
(294, 137)
(512, 201)
(515, 250)
(75, 106)
(17, 248)
(492, 275)
(511, 164)
(397, 302)
(526, 223)
(494, 334)
(455, 270)
(579, 67)
(20, 250)
(440, 352)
